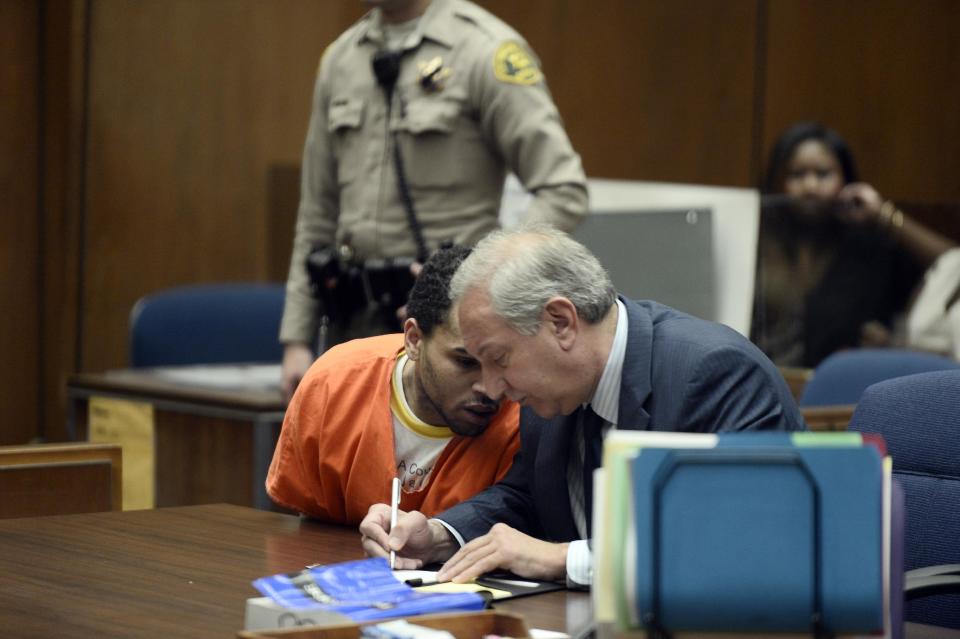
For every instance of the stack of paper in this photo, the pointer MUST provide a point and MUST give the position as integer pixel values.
(770, 533)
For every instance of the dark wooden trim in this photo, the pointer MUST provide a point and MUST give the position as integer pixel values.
(45, 466)
(757, 159)
(62, 75)
(828, 418)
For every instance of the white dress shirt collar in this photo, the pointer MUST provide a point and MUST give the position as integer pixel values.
(606, 399)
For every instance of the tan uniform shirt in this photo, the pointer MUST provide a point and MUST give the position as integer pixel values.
(488, 110)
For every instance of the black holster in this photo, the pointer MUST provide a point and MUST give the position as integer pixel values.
(348, 290)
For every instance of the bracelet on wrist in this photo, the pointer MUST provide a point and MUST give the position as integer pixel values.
(890, 216)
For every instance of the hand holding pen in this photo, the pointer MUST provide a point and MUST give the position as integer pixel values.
(413, 539)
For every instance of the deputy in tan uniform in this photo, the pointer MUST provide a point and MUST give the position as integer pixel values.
(469, 104)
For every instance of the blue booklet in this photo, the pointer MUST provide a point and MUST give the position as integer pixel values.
(361, 590)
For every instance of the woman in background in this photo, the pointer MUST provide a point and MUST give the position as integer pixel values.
(837, 263)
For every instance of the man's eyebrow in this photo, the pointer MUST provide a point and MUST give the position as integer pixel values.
(480, 351)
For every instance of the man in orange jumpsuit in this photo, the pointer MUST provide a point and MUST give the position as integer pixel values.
(408, 405)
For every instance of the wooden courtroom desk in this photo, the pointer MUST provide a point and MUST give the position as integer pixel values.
(186, 572)
(211, 444)
(828, 418)
(177, 572)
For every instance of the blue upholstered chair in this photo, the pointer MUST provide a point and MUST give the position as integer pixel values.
(842, 377)
(207, 324)
(919, 417)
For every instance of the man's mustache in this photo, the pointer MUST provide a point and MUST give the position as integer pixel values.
(484, 402)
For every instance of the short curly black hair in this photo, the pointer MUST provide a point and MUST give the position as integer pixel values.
(430, 298)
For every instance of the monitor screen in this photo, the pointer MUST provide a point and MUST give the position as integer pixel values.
(664, 255)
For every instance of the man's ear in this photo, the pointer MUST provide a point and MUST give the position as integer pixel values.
(412, 338)
(561, 317)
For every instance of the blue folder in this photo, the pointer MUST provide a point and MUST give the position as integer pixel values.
(752, 536)
(361, 590)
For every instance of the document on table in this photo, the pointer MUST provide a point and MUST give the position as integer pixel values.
(130, 424)
(505, 587)
(232, 376)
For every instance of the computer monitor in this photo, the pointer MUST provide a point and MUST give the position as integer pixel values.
(734, 225)
(660, 254)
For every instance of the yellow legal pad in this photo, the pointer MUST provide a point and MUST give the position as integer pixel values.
(450, 587)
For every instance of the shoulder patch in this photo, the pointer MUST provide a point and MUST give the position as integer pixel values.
(513, 63)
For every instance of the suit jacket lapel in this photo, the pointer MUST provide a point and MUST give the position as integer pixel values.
(635, 383)
(556, 435)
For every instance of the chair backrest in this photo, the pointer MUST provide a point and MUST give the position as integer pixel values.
(60, 479)
(842, 377)
(207, 324)
(919, 417)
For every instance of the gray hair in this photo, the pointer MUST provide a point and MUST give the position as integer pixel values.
(523, 268)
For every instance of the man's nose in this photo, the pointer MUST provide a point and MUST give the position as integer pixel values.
(491, 385)
(479, 387)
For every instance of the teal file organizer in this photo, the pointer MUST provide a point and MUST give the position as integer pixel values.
(759, 538)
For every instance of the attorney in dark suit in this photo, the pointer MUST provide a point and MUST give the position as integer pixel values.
(540, 315)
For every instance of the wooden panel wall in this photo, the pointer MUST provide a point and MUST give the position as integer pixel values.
(170, 129)
(884, 74)
(650, 90)
(19, 223)
(190, 104)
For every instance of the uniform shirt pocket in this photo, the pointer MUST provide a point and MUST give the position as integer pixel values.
(429, 134)
(431, 116)
(344, 121)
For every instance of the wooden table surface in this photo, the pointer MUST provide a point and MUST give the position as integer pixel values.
(176, 572)
(186, 572)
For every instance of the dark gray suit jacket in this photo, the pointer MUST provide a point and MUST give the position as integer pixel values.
(680, 373)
